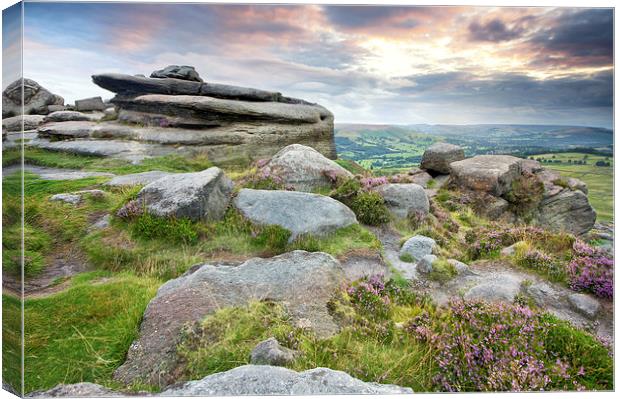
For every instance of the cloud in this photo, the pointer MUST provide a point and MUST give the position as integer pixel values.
(493, 31)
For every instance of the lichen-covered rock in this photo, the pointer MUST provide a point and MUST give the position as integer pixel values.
(305, 281)
(304, 168)
(438, 157)
(298, 212)
(197, 196)
(183, 72)
(568, 211)
(30, 122)
(541, 293)
(36, 99)
(270, 380)
(584, 304)
(493, 174)
(404, 199)
(73, 199)
(270, 352)
(418, 247)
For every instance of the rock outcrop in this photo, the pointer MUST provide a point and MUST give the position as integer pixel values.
(197, 196)
(30, 122)
(304, 281)
(183, 72)
(298, 212)
(489, 173)
(438, 157)
(304, 168)
(36, 99)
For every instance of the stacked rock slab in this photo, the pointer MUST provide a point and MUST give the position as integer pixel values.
(228, 123)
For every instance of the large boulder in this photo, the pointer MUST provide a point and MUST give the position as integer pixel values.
(270, 380)
(418, 247)
(14, 123)
(305, 281)
(36, 99)
(493, 174)
(197, 196)
(183, 72)
(298, 212)
(438, 157)
(405, 199)
(304, 168)
(567, 210)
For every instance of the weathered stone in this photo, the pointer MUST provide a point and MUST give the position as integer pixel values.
(531, 166)
(304, 168)
(418, 247)
(90, 104)
(541, 293)
(494, 208)
(64, 130)
(102, 223)
(80, 390)
(462, 269)
(270, 380)
(304, 281)
(503, 288)
(489, 173)
(419, 176)
(135, 179)
(183, 72)
(270, 352)
(425, 265)
(14, 123)
(68, 116)
(405, 199)
(36, 99)
(509, 251)
(73, 199)
(567, 211)
(197, 196)
(55, 108)
(298, 212)
(576, 184)
(438, 157)
(584, 304)
(46, 173)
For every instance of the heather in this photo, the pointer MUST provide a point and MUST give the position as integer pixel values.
(591, 270)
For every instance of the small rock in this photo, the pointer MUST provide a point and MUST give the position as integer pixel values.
(509, 251)
(298, 212)
(584, 304)
(102, 223)
(503, 288)
(460, 267)
(541, 293)
(270, 352)
(418, 247)
(90, 104)
(110, 113)
(425, 265)
(66, 197)
(439, 156)
(92, 193)
(197, 196)
(404, 199)
(495, 208)
(183, 72)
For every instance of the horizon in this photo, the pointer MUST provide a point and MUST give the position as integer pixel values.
(391, 65)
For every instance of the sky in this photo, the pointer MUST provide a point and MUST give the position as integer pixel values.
(366, 64)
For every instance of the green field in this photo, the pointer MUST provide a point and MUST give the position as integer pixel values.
(600, 179)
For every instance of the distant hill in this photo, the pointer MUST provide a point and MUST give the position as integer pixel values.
(402, 146)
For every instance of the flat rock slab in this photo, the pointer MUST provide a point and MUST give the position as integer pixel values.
(584, 304)
(490, 173)
(270, 380)
(405, 199)
(30, 122)
(298, 212)
(304, 281)
(54, 173)
(304, 168)
(81, 390)
(197, 196)
(504, 288)
(134, 179)
(72, 116)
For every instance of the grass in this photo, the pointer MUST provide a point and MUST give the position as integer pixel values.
(11, 342)
(600, 180)
(442, 271)
(83, 333)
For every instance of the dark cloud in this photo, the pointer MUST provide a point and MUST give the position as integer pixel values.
(362, 16)
(580, 37)
(493, 31)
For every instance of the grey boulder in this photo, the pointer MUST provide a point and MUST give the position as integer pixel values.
(460, 267)
(270, 380)
(36, 99)
(183, 72)
(298, 212)
(425, 265)
(567, 211)
(14, 123)
(305, 281)
(584, 304)
(493, 174)
(405, 199)
(541, 293)
(73, 199)
(197, 196)
(304, 168)
(418, 247)
(90, 104)
(80, 390)
(439, 156)
(270, 352)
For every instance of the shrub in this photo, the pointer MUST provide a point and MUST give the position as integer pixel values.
(443, 271)
(481, 346)
(370, 209)
(540, 262)
(347, 191)
(273, 237)
(525, 194)
(416, 218)
(591, 270)
(370, 296)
